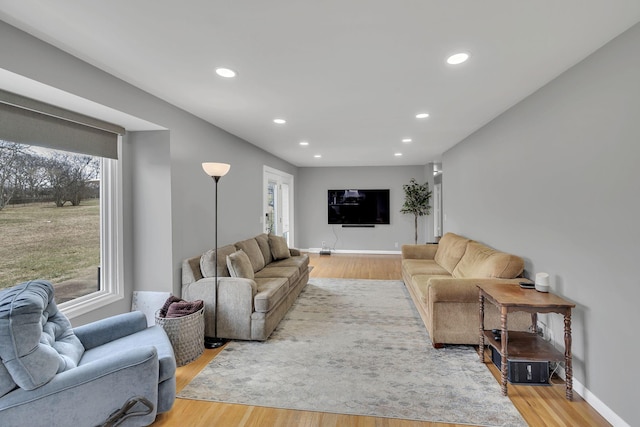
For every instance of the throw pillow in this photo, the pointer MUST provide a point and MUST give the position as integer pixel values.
(207, 261)
(239, 265)
(279, 248)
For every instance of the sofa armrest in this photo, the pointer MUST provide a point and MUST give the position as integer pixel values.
(236, 306)
(445, 289)
(88, 393)
(231, 290)
(112, 328)
(419, 251)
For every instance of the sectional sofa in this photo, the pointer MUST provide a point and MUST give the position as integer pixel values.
(258, 281)
(442, 279)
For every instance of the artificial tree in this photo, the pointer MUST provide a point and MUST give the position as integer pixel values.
(416, 201)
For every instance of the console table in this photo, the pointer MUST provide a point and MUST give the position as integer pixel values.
(515, 345)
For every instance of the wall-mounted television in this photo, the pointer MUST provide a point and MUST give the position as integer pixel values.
(358, 207)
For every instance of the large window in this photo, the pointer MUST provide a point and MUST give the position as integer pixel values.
(59, 203)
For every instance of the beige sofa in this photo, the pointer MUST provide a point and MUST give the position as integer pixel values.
(442, 279)
(258, 281)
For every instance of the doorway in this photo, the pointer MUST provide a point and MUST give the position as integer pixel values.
(278, 204)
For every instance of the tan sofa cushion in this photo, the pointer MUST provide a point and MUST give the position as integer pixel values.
(207, 262)
(263, 243)
(239, 265)
(279, 247)
(481, 261)
(270, 292)
(251, 248)
(451, 248)
(422, 266)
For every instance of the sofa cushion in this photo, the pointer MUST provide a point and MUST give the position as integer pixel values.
(36, 340)
(422, 266)
(271, 290)
(451, 248)
(263, 243)
(279, 247)
(481, 261)
(299, 261)
(292, 274)
(207, 262)
(240, 265)
(251, 248)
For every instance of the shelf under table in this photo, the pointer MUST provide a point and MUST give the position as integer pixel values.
(526, 346)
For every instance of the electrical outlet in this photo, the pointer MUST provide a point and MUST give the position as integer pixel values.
(324, 244)
(396, 244)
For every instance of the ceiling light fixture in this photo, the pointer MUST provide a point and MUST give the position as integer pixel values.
(398, 154)
(304, 143)
(226, 72)
(457, 58)
(317, 156)
(279, 121)
(407, 140)
(422, 115)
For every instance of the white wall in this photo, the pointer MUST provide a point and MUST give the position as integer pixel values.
(311, 208)
(555, 180)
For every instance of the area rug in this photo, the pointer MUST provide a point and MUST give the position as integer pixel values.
(356, 347)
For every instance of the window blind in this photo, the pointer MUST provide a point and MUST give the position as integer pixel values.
(28, 121)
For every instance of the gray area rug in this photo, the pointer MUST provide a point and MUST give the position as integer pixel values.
(356, 347)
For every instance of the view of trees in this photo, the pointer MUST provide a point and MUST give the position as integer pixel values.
(39, 175)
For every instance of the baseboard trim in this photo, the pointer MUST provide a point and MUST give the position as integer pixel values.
(597, 404)
(352, 251)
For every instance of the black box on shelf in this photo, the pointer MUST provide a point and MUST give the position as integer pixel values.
(523, 372)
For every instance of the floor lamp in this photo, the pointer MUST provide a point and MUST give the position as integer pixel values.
(215, 171)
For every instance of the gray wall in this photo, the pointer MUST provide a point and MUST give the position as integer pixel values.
(555, 180)
(311, 208)
(168, 199)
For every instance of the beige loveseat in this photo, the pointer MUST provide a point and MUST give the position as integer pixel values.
(442, 280)
(258, 281)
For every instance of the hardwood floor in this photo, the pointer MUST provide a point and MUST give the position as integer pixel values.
(540, 406)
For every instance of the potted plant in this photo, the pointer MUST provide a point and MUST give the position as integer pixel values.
(416, 201)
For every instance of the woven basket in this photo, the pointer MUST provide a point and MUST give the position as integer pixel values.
(186, 335)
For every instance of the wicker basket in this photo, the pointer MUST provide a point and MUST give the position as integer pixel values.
(186, 335)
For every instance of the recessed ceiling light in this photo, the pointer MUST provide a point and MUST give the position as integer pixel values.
(398, 154)
(407, 140)
(457, 58)
(304, 143)
(225, 72)
(279, 121)
(422, 115)
(317, 156)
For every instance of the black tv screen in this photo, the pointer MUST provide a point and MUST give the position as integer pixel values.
(358, 207)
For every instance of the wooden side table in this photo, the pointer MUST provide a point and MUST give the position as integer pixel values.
(515, 345)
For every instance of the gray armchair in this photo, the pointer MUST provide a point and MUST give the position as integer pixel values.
(116, 371)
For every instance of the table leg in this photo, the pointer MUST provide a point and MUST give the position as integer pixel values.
(504, 337)
(567, 355)
(481, 346)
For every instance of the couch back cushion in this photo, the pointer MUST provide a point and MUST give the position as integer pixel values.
(207, 262)
(36, 340)
(279, 247)
(482, 261)
(251, 248)
(451, 248)
(263, 243)
(240, 265)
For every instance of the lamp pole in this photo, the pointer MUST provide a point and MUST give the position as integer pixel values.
(215, 171)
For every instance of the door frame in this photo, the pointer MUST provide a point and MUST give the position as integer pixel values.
(272, 174)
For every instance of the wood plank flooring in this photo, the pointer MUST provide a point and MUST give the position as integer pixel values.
(540, 406)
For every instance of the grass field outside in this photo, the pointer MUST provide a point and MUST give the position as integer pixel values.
(42, 241)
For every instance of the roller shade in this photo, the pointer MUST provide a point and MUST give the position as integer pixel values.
(28, 121)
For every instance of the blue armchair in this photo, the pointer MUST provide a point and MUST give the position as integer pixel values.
(116, 371)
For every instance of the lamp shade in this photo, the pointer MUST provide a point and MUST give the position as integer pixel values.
(216, 169)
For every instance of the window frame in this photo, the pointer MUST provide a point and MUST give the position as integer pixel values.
(111, 243)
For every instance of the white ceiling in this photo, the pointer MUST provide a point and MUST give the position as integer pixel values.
(347, 75)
